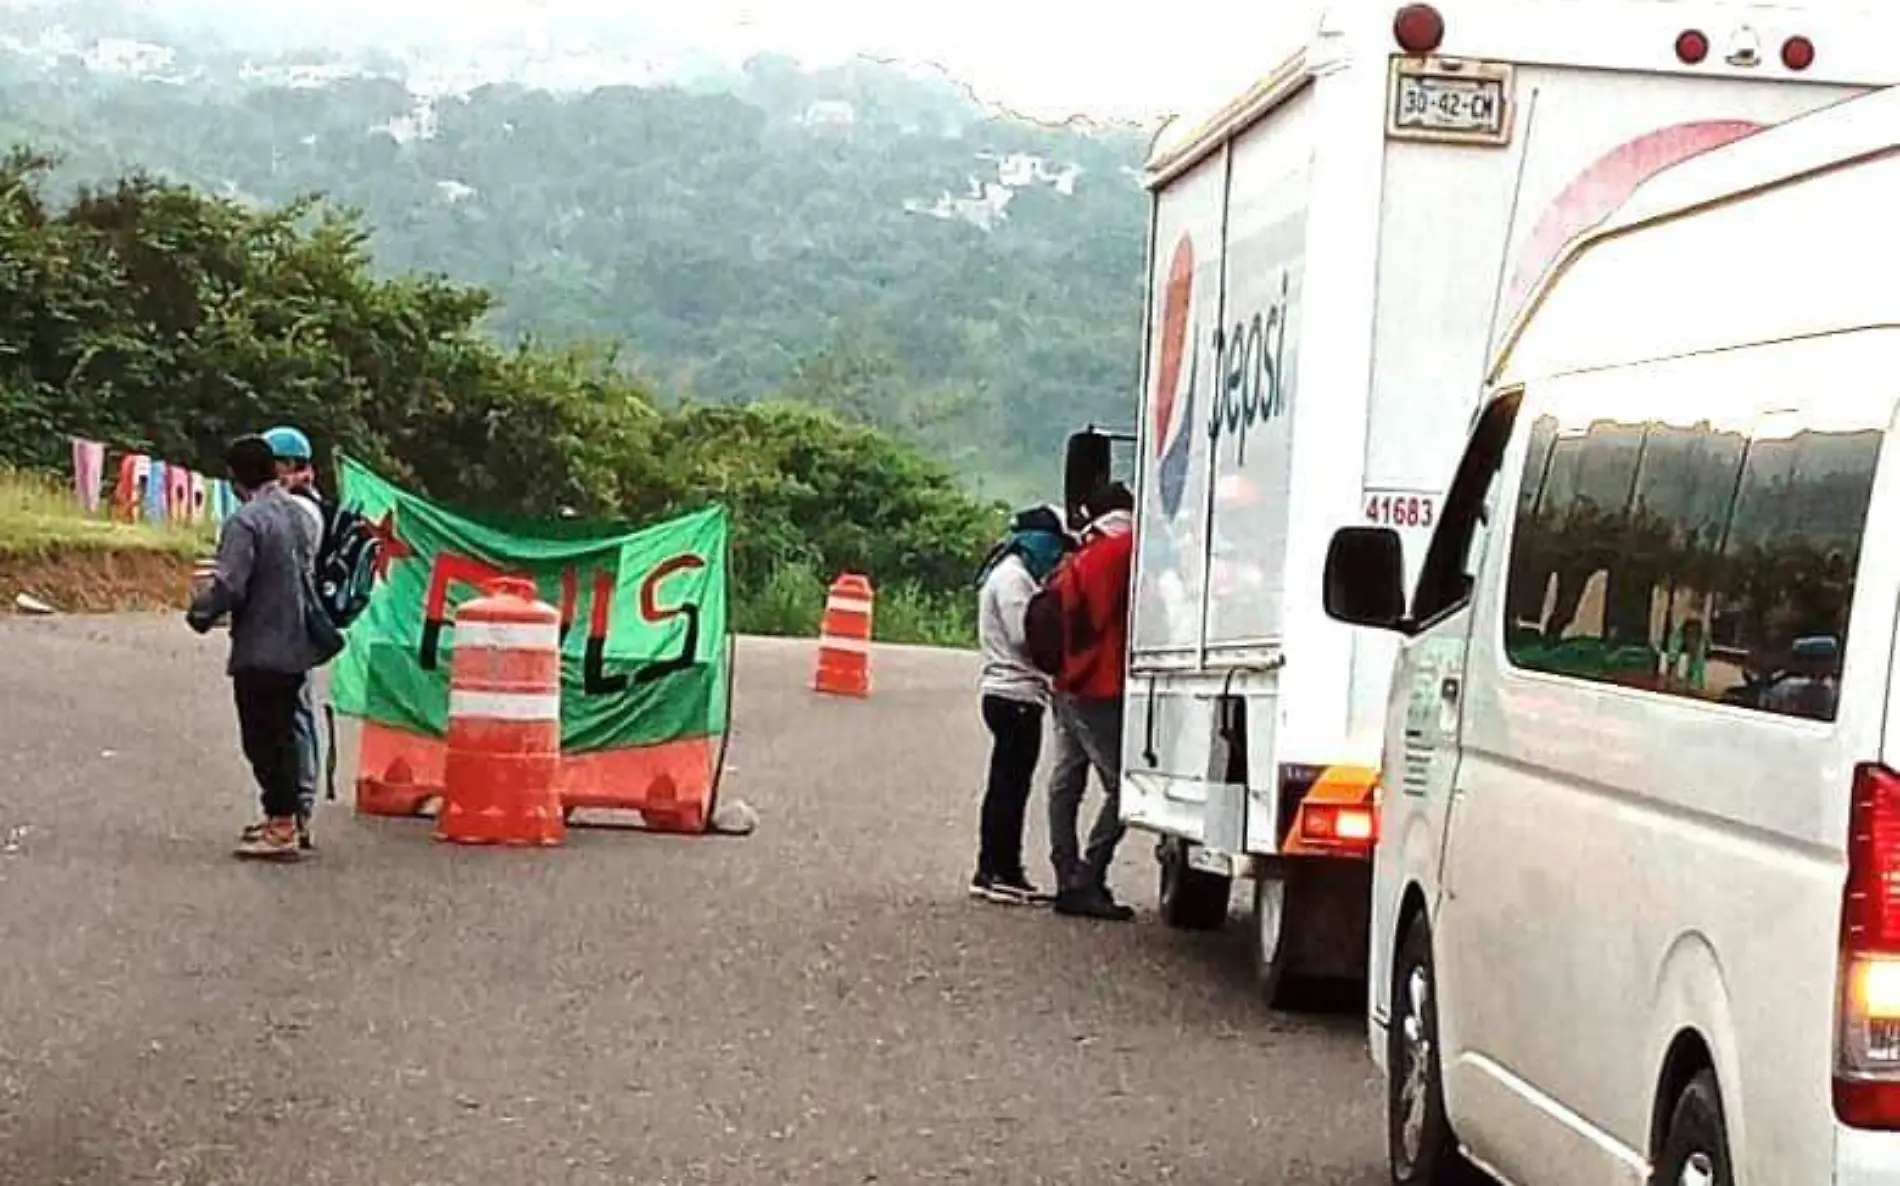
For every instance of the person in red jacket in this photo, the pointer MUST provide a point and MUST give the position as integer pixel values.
(1088, 693)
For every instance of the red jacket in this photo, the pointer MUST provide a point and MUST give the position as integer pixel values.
(1095, 650)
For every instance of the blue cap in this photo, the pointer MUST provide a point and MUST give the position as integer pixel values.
(288, 444)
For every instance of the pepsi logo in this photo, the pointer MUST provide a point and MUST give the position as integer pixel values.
(1172, 442)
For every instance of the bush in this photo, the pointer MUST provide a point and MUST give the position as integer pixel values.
(788, 603)
(907, 613)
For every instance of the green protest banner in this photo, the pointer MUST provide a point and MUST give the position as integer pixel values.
(644, 655)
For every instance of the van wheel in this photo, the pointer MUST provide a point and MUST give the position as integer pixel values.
(1695, 1149)
(1275, 939)
(1419, 1141)
(1190, 899)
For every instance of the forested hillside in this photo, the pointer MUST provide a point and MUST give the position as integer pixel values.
(155, 318)
(863, 239)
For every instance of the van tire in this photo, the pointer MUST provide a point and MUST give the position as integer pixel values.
(1190, 900)
(1421, 1148)
(1697, 1135)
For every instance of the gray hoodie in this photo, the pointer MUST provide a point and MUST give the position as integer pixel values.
(264, 554)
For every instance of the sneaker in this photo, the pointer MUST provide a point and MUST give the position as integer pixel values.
(1093, 901)
(274, 840)
(1016, 888)
(305, 841)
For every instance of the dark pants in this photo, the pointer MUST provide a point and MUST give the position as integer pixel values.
(267, 720)
(1016, 744)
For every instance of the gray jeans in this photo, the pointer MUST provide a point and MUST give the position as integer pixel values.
(1087, 733)
(309, 747)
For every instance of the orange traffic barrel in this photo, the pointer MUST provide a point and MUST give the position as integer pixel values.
(501, 779)
(844, 638)
(399, 773)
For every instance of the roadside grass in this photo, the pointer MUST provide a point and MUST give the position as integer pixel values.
(39, 516)
(791, 604)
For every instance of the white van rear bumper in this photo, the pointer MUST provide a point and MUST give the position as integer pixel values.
(1866, 1158)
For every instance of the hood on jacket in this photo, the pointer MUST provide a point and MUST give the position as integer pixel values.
(1037, 535)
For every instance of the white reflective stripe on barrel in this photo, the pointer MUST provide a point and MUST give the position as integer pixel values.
(832, 642)
(508, 636)
(504, 706)
(848, 605)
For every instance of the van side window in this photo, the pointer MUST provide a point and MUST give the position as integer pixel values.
(1702, 560)
(1446, 578)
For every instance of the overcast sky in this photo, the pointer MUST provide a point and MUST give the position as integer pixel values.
(1051, 57)
(1048, 54)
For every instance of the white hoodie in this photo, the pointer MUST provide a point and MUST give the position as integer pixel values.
(1007, 671)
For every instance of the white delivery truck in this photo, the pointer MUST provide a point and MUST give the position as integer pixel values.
(1331, 257)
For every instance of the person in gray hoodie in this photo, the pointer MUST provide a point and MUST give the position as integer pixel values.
(261, 581)
(296, 472)
(1015, 695)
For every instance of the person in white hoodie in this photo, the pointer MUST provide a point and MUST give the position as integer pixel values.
(1015, 696)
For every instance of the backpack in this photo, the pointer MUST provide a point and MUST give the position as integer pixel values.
(1045, 620)
(345, 569)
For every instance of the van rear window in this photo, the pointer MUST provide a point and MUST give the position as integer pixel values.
(1712, 559)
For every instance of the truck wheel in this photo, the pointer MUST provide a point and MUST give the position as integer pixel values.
(1190, 899)
(1275, 940)
(1421, 1148)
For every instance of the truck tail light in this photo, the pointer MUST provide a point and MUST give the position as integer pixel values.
(1867, 1046)
(1797, 53)
(1418, 28)
(1340, 826)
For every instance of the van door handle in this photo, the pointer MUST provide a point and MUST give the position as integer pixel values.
(1448, 690)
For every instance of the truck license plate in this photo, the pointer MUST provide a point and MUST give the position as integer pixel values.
(1450, 106)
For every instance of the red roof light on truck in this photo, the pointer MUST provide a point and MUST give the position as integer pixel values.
(1692, 46)
(1418, 28)
(1797, 53)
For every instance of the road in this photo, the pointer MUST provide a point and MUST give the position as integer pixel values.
(817, 1003)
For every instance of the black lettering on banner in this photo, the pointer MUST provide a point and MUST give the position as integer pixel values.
(689, 650)
(595, 680)
(1250, 370)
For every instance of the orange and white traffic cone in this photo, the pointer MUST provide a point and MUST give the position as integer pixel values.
(844, 642)
(502, 776)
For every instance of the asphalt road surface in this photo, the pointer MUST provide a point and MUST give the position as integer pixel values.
(818, 1003)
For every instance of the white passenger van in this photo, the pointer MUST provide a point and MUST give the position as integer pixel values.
(1636, 909)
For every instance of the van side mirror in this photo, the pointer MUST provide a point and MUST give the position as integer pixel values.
(1086, 465)
(1365, 578)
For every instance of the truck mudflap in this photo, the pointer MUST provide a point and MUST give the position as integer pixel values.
(1329, 811)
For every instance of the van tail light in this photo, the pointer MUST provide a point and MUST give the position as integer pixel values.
(1867, 1046)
